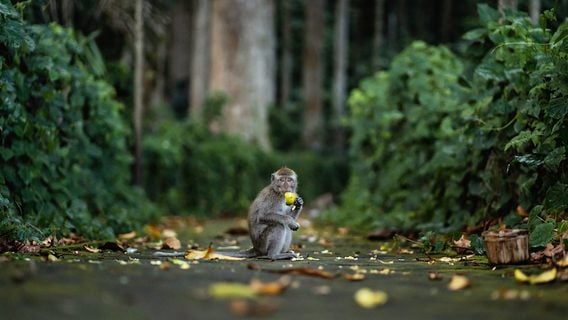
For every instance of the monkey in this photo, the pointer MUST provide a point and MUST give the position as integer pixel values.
(270, 220)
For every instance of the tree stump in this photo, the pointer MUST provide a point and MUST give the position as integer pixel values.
(506, 246)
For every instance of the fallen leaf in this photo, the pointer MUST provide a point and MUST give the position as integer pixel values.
(208, 254)
(304, 272)
(165, 265)
(153, 232)
(181, 263)
(322, 290)
(521, 212)
(270, 288)
(51, 258)
(171, 243)
(458, 282)
(225, 290)
(91, 249)
(463, 244)
(247, 308)
(544, 277)
(368, 298)
(127, 236)
(563, 262)
(169, 233)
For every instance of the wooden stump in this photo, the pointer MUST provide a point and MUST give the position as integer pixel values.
(506, 246)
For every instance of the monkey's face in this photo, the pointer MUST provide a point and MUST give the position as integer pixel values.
(284, 183)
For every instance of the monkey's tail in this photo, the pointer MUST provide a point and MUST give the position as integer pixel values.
(250, 253)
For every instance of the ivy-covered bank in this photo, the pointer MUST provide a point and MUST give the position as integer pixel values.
(441, 141)
(64, 162)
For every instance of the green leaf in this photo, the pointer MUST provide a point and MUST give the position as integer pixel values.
(541, 235)
(487, 14)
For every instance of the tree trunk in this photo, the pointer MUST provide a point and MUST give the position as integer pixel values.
(313, 73)
(286, 60)
(138, 89)
(199, 77)
(534, 11)
(378, 33)
(502, 4)
(446, 26)
(341, 46)
(243, 65)
(179, 57)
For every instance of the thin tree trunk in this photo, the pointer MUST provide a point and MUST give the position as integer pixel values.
(243, 65)
(199, 77)
(286, 60)
(378, 33)
(534, 11)
(341, 46)
(138, 89)
(502, 4)
(313, 73)
(446, 26)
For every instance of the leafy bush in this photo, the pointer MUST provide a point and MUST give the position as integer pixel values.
(64, 160)
(188, 170)
(434, 149)
(407, 164)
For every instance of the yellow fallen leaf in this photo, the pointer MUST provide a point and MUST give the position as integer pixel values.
(231, 290)
(545, 277)
(171, 243)
(563, 262)
(271, 288)
(208, 254)
(458, 282)
(353, 276)
(368, 298)
(91, 249)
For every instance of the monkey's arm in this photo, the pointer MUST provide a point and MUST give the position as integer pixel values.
(272, 218)
(296, 208)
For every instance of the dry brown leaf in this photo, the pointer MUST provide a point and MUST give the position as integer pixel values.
(247, 308)
(521, 212)
(171, 243)
(305, 272)
(208, 254)
(463, 244)
(153, 232)
(165, 265)
(271, 288)
(127, 236)
(458, 282)
(563, 262)
(91, 249)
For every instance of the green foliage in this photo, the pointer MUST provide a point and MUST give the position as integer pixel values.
(191, 171)
(435, 147)
(64, 164)
(407, 165)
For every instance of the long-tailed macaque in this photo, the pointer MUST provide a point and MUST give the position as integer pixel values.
(270, 220)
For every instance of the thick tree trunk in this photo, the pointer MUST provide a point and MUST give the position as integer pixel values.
(341, 46)
(198, 83)
(243, 65)
(313, 73)
(138, 89)
(534, 11)
(378, 33)
(179, 57)
(286, 59)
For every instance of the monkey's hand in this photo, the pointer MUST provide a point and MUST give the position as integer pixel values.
(298, 203)
(294, 226)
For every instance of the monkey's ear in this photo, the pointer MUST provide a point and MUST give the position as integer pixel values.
(272, 177)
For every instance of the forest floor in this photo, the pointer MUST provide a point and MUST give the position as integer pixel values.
(72, 282)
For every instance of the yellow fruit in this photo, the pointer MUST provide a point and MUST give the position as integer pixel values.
(290, 198)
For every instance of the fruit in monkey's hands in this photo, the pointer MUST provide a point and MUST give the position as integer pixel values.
(290, 198)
